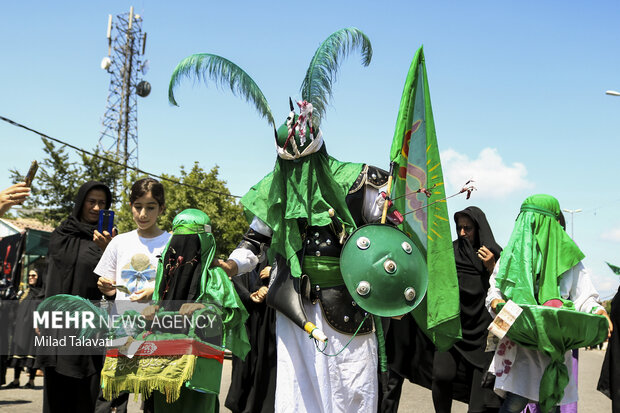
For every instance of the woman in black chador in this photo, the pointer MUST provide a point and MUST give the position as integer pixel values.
(475, 254)
(75, 248)
(455, 374)
(23, 337)
(253, 381)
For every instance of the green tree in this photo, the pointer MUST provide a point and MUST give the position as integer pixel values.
(98, 168)
(123, 219)
(227, 219)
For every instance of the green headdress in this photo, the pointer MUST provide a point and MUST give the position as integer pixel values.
(306, 183)
(539, 252)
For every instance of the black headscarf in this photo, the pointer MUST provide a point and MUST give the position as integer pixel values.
(473, 285)
(36, 291)
(465, 253)
(72, 253)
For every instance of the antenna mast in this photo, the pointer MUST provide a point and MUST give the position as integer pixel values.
(125, 63)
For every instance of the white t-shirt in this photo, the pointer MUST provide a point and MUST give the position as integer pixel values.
(131, 260)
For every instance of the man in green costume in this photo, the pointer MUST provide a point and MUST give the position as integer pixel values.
(540, 270)
(303, 210)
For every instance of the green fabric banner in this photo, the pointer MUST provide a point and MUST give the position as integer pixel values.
(554, 331)
(417, 174)
(614, 268)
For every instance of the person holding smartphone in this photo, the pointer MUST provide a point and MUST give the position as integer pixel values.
(72, 256)
(130, 260)
(13, 195)
(16, 194)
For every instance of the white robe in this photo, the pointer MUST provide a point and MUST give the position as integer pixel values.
(308, 381)
(519, 370)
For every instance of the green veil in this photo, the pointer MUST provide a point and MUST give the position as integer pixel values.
(538, 253)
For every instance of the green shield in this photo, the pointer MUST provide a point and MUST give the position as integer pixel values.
(383, 270)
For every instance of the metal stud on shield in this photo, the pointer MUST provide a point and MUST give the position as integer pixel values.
(383, 270)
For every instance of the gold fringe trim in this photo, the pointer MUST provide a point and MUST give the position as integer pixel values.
(142, 380)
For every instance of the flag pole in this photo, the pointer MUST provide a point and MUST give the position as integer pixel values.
(388, 192)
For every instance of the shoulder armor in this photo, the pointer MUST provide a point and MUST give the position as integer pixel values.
(255, 242)
(377, 177)
(370, 175)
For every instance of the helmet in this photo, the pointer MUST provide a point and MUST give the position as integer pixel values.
(384, 271)
(298, 137)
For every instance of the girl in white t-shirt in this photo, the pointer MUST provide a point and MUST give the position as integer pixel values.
(130, 260)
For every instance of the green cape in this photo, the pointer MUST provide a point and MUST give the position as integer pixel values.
(306, 188)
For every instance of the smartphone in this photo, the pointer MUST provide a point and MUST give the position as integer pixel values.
(122, 288)
(106, 220)
(31, 172)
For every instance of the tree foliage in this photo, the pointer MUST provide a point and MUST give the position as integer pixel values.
(227, 220)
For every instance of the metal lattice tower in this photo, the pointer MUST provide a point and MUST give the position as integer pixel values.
(125, 63)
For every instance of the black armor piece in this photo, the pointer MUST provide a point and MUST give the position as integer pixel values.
(371, 175)
(321, 241)
(340, 311)
(286, 292)
(377, 177)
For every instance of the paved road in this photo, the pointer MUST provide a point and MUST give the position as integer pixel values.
(414, 398)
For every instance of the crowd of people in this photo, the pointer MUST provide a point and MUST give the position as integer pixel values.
(284, 371)
(283, 282)
(301, 335)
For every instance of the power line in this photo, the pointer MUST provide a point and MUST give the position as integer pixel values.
(19, 125)
(607, 204)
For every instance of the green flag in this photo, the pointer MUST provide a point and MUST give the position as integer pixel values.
(419, 194)
(615, 269)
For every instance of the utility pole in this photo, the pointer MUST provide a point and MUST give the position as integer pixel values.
(572, 212)
(125, 63)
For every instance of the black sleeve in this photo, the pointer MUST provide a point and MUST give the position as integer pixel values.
(241, 283)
